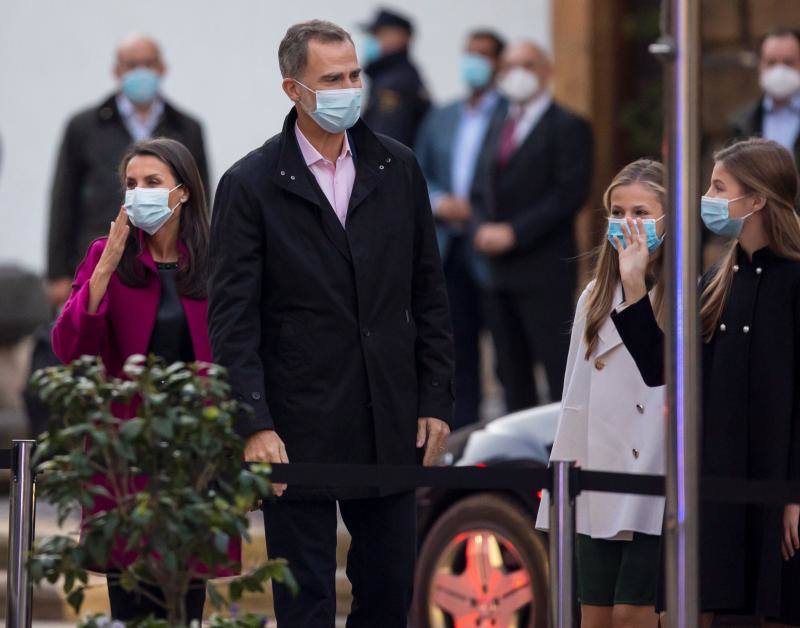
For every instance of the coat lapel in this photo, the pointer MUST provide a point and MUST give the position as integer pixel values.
(373, 161)
(534, 136)
(608, 334)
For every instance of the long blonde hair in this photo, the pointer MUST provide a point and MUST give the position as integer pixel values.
(650, 174)
(766, 168)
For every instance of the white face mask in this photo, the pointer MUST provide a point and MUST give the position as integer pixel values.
(518, 85)
(780, 81)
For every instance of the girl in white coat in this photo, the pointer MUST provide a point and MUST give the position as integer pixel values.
(611, 421)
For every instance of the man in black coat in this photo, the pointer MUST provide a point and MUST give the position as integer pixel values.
(398, 99)
(327, 305)
(86, 193)
(532, 178)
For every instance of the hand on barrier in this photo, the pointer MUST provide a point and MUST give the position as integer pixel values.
(432, 434)
(267, 446)
(791, 536)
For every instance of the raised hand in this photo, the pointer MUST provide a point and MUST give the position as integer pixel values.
(109, 260)
(633, 259)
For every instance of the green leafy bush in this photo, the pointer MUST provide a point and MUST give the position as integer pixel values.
(175, 484)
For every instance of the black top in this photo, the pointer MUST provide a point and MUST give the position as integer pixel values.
(750, 427)
(170, 339)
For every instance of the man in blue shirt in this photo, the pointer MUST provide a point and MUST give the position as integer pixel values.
(448, 145)
(776, 115)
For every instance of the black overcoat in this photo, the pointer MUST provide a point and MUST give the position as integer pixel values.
(338, 338)
(750, 427)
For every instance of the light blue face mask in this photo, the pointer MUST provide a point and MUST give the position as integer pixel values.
(617, 227)
(716, 215)
(476, 70)
(370, 49)
(148, 208)
(140, 85)
(337, 109)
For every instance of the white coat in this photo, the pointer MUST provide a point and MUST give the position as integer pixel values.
(610, 421)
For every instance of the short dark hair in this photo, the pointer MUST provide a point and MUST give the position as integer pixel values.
(780, 31)
(194, 229)
(486, 33)
(293, 51)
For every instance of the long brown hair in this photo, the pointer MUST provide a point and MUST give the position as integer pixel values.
(766, 168)
(650, 174)
(194, 230)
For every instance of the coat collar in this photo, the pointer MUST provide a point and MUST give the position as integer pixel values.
(291, 173)
(108, 111)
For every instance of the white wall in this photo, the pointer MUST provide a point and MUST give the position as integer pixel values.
(56, 58)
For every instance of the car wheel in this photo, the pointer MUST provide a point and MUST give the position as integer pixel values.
(481, 565)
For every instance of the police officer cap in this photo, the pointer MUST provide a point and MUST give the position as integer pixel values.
(388, 18)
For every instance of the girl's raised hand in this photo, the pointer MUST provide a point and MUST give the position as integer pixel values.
(633, 259)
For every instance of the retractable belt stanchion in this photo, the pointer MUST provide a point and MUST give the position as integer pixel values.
(562, 544)
(20, 527)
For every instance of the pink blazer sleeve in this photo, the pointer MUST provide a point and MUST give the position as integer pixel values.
(77, 332)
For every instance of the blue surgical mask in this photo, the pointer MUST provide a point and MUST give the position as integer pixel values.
(476, 70)
(337, 109)
(141, 85)
(716, 215)
(148, 208)
(370, 49)
(617, 227)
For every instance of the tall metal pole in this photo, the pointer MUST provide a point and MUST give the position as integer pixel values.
(680, 47)
(20, 526)
(562, 545)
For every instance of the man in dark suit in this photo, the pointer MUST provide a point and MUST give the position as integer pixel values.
(398, 99)
(776, 115)
(87, 193)
(533, 176)
(449, 142)
(328, 306)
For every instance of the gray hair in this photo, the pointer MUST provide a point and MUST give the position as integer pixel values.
(293, 51)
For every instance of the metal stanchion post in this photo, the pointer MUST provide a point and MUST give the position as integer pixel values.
(20, 527)
(562, 545)
(680, 48)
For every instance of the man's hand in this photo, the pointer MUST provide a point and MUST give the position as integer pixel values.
(495, 238)
(432, 434)
(453, 209)
(791, 538)
(266, 446)
(58, 291)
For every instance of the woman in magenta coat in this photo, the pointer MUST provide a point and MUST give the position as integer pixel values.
(142, 290)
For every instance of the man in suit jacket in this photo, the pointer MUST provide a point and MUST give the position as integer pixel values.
(87, 193)
(448, 146)
(327, 304)
(533, 176)
(776, 114)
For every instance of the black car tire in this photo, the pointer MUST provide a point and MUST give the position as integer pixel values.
(499, 514)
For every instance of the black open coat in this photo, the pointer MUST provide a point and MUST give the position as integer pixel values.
(338, 338)
(750, 429)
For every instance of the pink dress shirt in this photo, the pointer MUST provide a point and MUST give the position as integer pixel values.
(335, 180)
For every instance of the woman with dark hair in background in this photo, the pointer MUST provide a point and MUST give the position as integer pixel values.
(142, 290)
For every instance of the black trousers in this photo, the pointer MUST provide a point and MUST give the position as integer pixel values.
(530, 327)
(128, 606)
(380, 564)
(466, 311)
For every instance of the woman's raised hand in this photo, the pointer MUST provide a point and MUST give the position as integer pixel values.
(115, 246)
(633, 259)
(109, 260)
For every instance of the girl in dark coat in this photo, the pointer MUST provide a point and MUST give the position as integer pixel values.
(750, 313)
